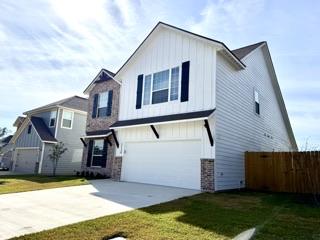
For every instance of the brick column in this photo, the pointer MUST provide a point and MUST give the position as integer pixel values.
(207, 175)
(116, 168)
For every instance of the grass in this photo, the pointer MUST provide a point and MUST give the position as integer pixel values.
(204, 216)
(22, 183)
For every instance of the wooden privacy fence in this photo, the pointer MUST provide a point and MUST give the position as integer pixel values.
(296, 172)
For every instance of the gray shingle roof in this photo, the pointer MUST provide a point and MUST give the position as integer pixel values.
(165, 118)
(42, 129)
(74, 102)
(244, 51)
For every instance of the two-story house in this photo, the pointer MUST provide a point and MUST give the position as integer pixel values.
(189, 108)
(103, 107)
(61, 121)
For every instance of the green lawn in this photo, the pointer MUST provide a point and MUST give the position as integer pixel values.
(22, 183)
(204, 216)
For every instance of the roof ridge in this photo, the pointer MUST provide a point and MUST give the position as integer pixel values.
(244, 51)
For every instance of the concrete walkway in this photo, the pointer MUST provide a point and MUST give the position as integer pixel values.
(28, 212)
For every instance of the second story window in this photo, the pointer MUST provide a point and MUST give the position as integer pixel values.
(29, 128)
(256, 102)
(161, 86)
(102, 104)
(67, 119)
(52, 120)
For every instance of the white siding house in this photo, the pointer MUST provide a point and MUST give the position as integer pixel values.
(179, 90)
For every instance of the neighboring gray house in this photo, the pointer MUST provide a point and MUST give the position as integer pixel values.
(6, 152)
(190, 108)
(61, 121)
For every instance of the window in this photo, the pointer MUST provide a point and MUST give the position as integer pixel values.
(52, 120)
(103, 104)
(147, 89)
(174, 87)
(97, 153)
(256, 102)
(29, 128)
(161, 86)
(67, 118)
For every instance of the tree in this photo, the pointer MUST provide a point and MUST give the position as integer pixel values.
(3, 131)
(55, 155)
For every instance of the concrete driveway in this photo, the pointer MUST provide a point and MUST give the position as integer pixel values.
(28, 212)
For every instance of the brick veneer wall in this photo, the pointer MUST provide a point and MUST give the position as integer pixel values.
(102, 123)
(116, 168)
(207, 175)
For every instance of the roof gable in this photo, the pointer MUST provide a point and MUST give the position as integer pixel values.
(74, 102)
(276, 87)
(224, 49)
(102, 76)
(244, 51)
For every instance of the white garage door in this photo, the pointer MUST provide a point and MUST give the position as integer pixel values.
(169, 163)
(26, 160)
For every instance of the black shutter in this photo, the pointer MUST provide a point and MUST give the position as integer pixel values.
(105, 154)
(89, 153)
(139, 91)
(109, 109)
(95, 105)
(185, 82)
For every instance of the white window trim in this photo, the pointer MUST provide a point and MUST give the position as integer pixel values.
(63, 111)
(179, 85)
(92, 154)
(107, 92)
(254, 101)
(169, 87)
(55, 120)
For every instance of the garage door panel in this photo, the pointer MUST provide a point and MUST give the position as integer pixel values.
(170, 163)
(26, 160)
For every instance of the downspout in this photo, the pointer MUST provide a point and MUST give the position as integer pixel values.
(41, 158)
(57, 124)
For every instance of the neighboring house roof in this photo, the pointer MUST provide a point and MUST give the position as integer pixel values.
(18, 121)
(42, 130)
(163, 119)
(5, 141)
(244, 51)
(102, 76)
(74, 102)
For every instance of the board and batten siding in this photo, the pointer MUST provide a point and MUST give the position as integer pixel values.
(164, 50)
(238, 127)
(70, 161)
(28, 140)
(184, 131)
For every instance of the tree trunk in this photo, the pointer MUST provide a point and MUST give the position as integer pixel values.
(54, 167)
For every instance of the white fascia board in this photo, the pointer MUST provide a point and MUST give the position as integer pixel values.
(73, 110)
(96, 136)
(161, 123)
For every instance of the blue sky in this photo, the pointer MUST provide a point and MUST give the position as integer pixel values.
(52, 49)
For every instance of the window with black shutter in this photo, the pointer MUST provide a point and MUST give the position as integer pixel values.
(29, 128)
(95, 105)
(185, 81)
(256, 102)
(139, 91)
(109, 105)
